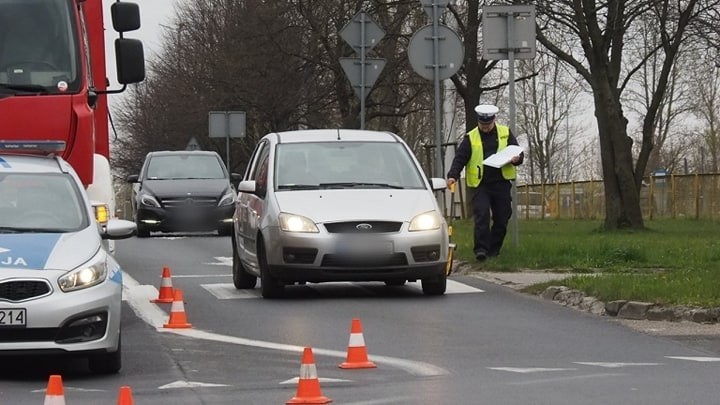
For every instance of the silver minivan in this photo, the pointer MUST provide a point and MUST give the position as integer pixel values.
(337, 205)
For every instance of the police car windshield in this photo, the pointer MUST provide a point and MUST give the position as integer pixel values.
(40, 202)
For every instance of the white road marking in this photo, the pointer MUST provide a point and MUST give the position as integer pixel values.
(615, 365)
(321, 379)
(529, 369)
(227, 291)
(138, 297)
(73, 389)
(222, 261)
(189, 384)
(693, 358)
(201, 275)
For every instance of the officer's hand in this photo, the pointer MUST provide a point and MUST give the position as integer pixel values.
(450, 181)
(515, 160)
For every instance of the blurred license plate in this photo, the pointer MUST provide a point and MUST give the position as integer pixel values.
(365, 246)
(13, 317)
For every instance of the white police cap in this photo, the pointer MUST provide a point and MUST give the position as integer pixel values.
(486, 112)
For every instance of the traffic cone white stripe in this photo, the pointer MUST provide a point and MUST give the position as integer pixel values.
(308, 372)
(356, 340)
(165, 282)
(177, 306)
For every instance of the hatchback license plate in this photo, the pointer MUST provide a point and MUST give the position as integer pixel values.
(13, 317)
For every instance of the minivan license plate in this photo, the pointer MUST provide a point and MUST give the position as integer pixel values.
(13, 317)
(365, 246)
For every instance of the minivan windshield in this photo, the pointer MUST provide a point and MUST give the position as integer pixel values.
(184, 166)
(345, 165)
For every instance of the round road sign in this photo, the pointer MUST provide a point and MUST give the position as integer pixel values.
(450, 55)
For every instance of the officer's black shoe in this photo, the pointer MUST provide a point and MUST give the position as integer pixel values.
(481, 256)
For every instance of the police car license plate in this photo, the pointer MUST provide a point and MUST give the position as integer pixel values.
(13, 317)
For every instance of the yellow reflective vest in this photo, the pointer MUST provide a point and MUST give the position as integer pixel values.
(474, 167)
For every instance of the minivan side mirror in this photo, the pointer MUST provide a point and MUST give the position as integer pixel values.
(247, 186)
(133, 178)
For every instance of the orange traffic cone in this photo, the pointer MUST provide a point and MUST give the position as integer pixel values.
(308, 390)
(357, 356)
(125, 397)
(166, 289)
(55, 394)
(178, 319)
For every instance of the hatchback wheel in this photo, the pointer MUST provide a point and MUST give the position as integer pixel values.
(142, 231)
(241, 278)
(269, 285)
(435, 285)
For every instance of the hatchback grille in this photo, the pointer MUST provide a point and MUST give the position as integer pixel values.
(19, 290)
(367, 261)
(363, 227)
(28, 335)
(188, 202)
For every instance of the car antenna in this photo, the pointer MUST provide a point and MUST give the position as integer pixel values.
(338, 134)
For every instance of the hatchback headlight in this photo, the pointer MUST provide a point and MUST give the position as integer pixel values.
(147, 199)
(84, 277)
(426, 221)
(227, 198)
(296, 223)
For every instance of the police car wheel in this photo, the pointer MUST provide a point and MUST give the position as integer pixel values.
(106, 363)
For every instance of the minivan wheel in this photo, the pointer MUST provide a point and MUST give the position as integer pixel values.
(270, 287)
(241, 278)
(434, 286)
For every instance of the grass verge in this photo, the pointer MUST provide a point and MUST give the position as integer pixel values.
(672, 262)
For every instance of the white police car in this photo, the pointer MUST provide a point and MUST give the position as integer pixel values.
(60, 289)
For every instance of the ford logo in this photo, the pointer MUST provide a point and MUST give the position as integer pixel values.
(363, 227)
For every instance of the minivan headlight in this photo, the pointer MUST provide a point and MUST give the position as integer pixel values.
(296, 223)
(227, 198)
(85, 276)
(426, 221)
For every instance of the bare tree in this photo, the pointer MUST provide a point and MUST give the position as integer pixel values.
(601, 31)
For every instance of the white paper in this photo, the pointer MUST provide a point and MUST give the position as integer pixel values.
(503, 157)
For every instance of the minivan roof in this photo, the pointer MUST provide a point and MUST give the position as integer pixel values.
(331, 135)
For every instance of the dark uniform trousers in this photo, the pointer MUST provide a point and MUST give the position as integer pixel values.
(492, 208)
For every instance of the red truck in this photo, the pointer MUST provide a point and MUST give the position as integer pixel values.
(53, 80)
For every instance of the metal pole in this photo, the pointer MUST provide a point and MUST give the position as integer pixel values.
(362, 71)
(511, 79)
(227, 140)
(436, 85)
(567, 145)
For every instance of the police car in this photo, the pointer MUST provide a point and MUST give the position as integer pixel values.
(60, 289)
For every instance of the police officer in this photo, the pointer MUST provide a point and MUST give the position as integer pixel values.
(492, 198)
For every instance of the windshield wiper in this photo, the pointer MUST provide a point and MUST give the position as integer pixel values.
(24, 88)
(298, 187)
(350, 184)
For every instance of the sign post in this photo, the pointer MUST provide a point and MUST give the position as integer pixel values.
(362, 33)
(509, 33)
(226, 124)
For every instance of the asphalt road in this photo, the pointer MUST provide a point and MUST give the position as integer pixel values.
(480, 343)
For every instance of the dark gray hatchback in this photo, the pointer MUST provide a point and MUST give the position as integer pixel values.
(183, 191)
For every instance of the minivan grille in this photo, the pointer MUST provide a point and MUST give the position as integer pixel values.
(19, 290)
(363, 227)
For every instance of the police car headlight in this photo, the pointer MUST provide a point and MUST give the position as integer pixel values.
(227, 198)
(83, 277)
(296, 223)
(426, 221)
(147, 199)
